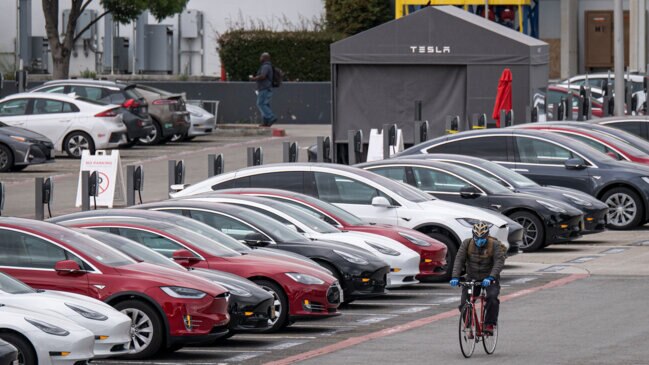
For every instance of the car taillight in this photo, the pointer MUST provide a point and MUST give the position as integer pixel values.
(131, 104)
(108, 113)
(165, 102)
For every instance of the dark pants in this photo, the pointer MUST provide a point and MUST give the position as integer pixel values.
(492, 305)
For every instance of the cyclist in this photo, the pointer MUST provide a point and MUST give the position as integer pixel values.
(482, 258)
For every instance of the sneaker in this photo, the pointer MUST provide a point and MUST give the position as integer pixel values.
(489, 329)
(272, 121)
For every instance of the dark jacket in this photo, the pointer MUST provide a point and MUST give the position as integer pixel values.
(479, 262)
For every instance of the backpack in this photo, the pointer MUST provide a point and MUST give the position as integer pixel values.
(278, 77)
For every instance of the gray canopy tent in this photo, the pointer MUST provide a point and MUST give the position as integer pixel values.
(449, 59)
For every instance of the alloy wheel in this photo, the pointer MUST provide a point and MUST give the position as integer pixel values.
(277, 303)
(21, 358)
(622, 209)
(150, 137)
(4, 159)
(141, 330)
(78, 143)
(176, 138)
(531, 231)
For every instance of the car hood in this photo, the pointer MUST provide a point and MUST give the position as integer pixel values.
(363, 238)
(163, 276)
(344, 247)
(452, 210)
(250, 266)
(227, 278)
(531, 200)
(556, 193)
(9, 314)
(22, 132)
(282, 255)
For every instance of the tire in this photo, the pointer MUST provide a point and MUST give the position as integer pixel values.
(76, 142)
(155, 137)
(451, 252)
(489, 342)
(467, 345)
(534, 231)
(137, 310)
(6, 159)
(632, 213)
(19, 168)
(280, 302)
(26, 352)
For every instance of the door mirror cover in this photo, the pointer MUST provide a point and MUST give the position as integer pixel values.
(67, 267)
(469, 192)
(256, 239)
(381, 201)
(185, 257)
(575, 164)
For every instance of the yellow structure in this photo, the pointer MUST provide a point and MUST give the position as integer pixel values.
(401, 6)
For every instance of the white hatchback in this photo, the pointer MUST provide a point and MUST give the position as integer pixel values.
(72, 123)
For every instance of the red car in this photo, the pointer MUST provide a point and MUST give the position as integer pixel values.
(607, 144)
(306, 291)
(432, 252)
(556, 92)
(168, 309)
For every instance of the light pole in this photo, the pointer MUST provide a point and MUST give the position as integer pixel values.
(618, 56)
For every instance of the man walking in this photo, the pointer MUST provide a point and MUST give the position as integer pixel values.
(264, 79)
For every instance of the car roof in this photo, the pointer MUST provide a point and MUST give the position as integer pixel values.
(219, 207)
(34, 95)
(641, 118)
(105, 83)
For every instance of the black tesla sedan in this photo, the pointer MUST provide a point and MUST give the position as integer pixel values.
(20, 148)
(595, 211)
(552, 159)
(360, 273)
(545, 221)
(250, 307)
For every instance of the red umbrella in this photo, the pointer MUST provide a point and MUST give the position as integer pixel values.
(504, 95)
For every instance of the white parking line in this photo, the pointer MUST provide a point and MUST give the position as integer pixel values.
(450, 300)
(411, 310)
(273, 337)
(365, 314)
(242, 357)
(372, 320)
(285, 345)
(396, 304)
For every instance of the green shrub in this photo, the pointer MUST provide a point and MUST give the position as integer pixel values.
(303, 55)
(354, 16)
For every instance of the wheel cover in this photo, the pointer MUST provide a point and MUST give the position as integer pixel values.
(21, 358)
(150, 137)
(4, 159)
(622, 209)
(78, 143)
(141, 330)
(530, 231)
(277, 303)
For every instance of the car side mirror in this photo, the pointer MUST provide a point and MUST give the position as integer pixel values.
(613, 156)
(67, 267)
(575, 164)
(256, 239)
(381, 202)
(185, 258)
(469, 192)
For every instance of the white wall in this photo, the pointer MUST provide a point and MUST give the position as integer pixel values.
(218, 16)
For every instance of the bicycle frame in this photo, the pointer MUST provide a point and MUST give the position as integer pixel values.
(471, 301)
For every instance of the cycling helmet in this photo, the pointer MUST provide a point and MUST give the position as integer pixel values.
(480, 230)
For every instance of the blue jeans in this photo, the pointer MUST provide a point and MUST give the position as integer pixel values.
(263, 103)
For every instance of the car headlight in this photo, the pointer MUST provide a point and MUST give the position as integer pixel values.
(304, 278)
(47, 328)
(384, 250)
(88, 313)
(551, 206)
(646, 179)
(415, 240)
(183, 293)
(235, 290)
(470, 222)
(351, 258)
(577, 200)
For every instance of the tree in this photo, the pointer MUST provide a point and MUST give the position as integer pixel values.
(123, 11)
(353, 16)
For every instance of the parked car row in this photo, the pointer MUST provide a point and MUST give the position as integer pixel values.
(69, 116)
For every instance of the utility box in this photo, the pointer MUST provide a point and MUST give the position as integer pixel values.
(85, 18)
(158, 44)
(39, 55)
(191, 24)
(120, 54)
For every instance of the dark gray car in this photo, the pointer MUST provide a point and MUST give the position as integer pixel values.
(552, 159)
(20, 148)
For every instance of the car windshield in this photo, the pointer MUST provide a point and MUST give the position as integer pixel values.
(300, 215)
(403, 190)
(92, 248)
(314, 207)
(210, 232)
(483, 182)
(202, 242)
(515, 179)
(91, 101)
(132, 249)
(272, 228)
(14, 286)
(628, 138)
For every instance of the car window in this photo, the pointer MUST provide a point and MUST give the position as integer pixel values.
(57, 89)
(437, 181)
(631, 127)
(493, 148)
(307, 209)
(554, 97)
(290, 180)
(271, 215)
(482, 172)
(531, 150)
(228, 225)
(88, 92)
(345, 190)
(47, 106)
(131, 248)
(14, 107)
(242, 182)
(22, 250)
(596, 144)
(152, 240)
(392, 172)
(13, 286)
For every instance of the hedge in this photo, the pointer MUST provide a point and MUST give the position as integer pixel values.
(354, 16)
(302, 55)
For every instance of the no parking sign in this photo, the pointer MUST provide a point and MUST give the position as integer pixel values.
(111, 186)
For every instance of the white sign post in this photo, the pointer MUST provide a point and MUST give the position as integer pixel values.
(375, 147)
(112, 186)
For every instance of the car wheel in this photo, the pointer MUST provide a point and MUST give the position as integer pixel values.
(146, 329)
(279, 301)
(76, 142)
(130, 143)
(6, 159)
(625, 209)
(26, 353)
(533, 231)
(154, 137)
(451, 252)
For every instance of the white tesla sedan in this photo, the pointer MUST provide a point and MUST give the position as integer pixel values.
(111, 328)
(404, 262)
(45, 339)
(372, 197)
(71, 122)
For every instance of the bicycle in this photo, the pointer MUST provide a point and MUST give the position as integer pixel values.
(471, 325)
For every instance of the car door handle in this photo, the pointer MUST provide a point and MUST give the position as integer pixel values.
(65, 120)
(521, 170)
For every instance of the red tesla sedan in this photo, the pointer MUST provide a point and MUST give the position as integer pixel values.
(432, 252)
(556, 92)
(300, 291)
(603, 142)
(168, 309)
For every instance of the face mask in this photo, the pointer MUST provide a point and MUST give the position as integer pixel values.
(480, 242)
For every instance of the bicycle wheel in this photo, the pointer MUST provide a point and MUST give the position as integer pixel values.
(467, 330)
(489, 342)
